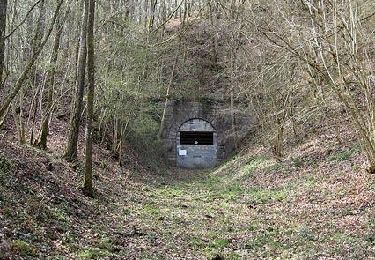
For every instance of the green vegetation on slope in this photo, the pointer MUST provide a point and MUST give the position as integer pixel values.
(250, 207)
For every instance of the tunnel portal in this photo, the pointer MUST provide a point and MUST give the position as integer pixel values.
(196, 143)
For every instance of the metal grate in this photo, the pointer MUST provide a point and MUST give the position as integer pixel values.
(196, 138)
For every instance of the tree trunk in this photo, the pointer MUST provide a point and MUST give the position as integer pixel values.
(49, 85)
(88, 187)
(34, 79)
(71, 151)
(3, 15)
(167, 95)
(279, 140)
(19, 84)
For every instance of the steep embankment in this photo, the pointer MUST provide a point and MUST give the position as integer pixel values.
(316, 203)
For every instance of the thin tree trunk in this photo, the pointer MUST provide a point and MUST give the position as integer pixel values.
(3, 15)
(167, 96)
(18, 120)
(279, 140)
(10, 40)
(88, 187)
(75, 120)
(153, 13)
(34, 80)
(19, 84)
(49, 85)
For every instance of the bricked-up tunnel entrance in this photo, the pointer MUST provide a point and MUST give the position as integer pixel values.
(202, 134)
(196, 144)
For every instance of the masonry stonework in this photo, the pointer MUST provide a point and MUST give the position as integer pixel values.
(229, 126)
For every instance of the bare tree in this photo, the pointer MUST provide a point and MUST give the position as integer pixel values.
(88, 187)
(75, 119)
(333, 41)
(49, 86)
(4, 106)
(3, 17)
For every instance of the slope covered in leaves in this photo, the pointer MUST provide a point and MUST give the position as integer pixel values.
(318, 202)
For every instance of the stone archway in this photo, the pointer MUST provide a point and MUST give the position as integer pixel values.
(196, 144)
(218, 120)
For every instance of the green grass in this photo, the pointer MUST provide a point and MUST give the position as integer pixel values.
(219, 243)
(344, 155)
(262, 196)
(306, 233)
(93, 253)
(297, 162)
(58, 214)
(255, 163)
(232, 192)
(197, 243)
(23, 248)
(5, 167)
(170, 191)
(151, 209)
(106, 244)
(211, 211)
(247, 213)
(269, 237)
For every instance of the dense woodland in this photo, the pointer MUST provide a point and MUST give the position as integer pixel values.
(83, 90)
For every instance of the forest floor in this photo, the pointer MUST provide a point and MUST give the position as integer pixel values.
(317, 203)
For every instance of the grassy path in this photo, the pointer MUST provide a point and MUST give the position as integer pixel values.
(251, 208)
(262, 209)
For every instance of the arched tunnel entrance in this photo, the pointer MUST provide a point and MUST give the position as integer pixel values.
(196, 144)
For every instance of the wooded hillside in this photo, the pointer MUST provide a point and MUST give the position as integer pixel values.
(84, 93)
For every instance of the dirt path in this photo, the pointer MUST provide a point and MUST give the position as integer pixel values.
(265, 210)
(256, 209)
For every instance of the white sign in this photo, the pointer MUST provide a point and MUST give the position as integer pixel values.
(182, 152)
